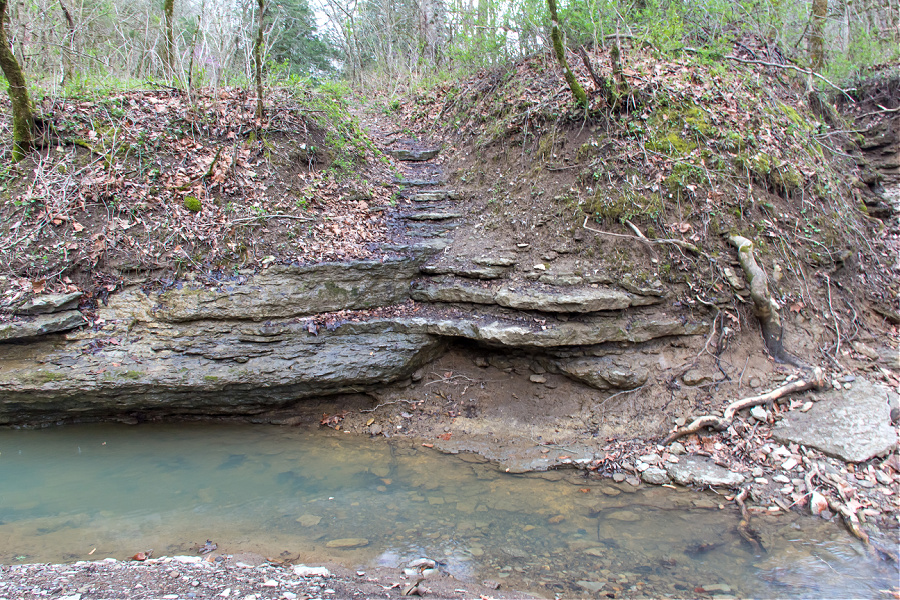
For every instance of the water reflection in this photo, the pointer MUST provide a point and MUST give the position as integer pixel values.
(325, 496)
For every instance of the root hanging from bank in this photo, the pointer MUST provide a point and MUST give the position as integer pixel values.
(816, 381)
(765, 308)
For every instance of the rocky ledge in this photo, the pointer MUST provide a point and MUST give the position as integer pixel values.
(263, 341)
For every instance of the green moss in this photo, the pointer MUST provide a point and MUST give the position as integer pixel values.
(624, 206)
(44, 377)
(210, 378)
(672, 144)
(192, 203)
(131, 375)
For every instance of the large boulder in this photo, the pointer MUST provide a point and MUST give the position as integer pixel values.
(853, 425)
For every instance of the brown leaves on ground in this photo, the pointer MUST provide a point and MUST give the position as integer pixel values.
(109, 192)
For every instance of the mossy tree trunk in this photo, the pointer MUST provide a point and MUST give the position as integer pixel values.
(559, 49)
(257, 59)
(169, 58)
(23, 112)
(817, 34)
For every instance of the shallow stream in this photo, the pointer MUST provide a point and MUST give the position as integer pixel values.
(88, 492)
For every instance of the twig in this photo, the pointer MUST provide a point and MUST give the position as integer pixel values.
(413, 402)
(766, 63)
(642, 238)
(275, 216)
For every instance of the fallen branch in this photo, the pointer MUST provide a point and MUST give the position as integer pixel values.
(721, 423)
(680, 243)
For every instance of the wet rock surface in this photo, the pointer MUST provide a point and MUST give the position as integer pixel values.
(698, 470)
(853, 425)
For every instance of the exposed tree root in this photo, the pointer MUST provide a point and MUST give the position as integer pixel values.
(766, 309)
(748, 533)
(721, 423)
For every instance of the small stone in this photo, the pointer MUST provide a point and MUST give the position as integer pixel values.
(304, 571)
(375, 429)
(695, 377)
(655, 476)
(591, 586)
(755, 382)
(270, 583)
(759, 413)
(679, 422)
(789, 464)
(540, 267)
(633, 481)
(780, 478)
(757, 472)
(677, 448)
(618, 477)
(537, 379)
(817, 503)
(806, 406)
(761, 480)
(309, 520)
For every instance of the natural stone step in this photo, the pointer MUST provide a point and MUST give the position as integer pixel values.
(40, 325)
(434, 196)
(412, 154)
(540, 298)
(432, 216)
(416, 182)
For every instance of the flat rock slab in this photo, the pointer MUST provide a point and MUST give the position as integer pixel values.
(432, 216)
(417, 182)
(853, 425)
(468, 272)
(50, 303)
(413, 154)
(540, 298)
(434, 196)
(699, 470)
(41, 325)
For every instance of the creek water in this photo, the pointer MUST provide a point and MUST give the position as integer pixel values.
(117, 490)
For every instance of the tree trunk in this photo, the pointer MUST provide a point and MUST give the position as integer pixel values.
(69, 46)
(817, 34)
(23, 113)
(556, 36)
(169, 58)
(431, 25)
(257, 59)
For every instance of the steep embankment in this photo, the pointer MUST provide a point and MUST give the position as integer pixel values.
(538, 282)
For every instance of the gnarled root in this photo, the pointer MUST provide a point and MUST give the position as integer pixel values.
(721, 423)
(766, 309)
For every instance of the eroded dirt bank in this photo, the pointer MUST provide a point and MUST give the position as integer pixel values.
(542, 291)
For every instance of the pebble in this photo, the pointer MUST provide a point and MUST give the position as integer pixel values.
(806, 406)
(789, 464)
(537, 379)
(757, 472)
(817, 504)
(780, 478)
(759, 413)
(677, 448)
(618, 477)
